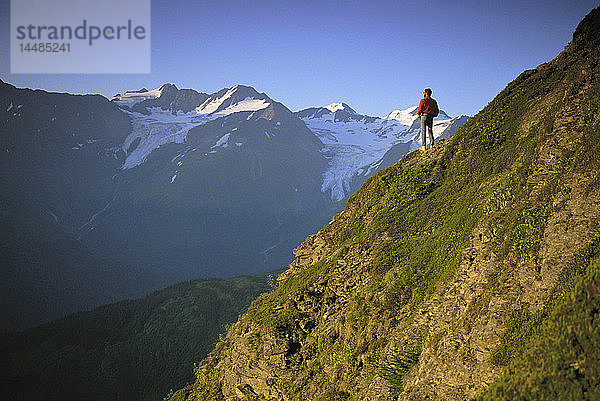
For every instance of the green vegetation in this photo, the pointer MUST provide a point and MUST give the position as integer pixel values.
(526, 233)
(131, 350)
(524, 325)
(558, 354)
(400, 364)
(413, 221)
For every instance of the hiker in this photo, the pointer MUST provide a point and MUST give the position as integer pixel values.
(428, 108)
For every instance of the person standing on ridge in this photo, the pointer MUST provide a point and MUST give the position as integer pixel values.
(428, 109)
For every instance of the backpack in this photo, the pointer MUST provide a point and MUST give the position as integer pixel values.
(436, 109)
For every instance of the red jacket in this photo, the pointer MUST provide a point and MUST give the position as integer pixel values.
(428, 105)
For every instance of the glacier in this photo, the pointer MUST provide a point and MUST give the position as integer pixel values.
(162, 126)
(158, 128)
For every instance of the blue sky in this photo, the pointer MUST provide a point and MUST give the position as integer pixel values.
(374, 55)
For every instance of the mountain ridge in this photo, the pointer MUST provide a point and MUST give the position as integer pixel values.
(63, 157)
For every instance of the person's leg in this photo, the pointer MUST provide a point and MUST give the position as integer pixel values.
(430, 125)
(423, 129)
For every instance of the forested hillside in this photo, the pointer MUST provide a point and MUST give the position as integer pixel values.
(130, 350)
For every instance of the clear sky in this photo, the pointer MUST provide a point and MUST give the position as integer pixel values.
(374, 55)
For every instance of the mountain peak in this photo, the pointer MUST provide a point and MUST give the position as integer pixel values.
(236, 98)
(587, 34)
(411, 111)
(168, 86)
(409, 115)
(339, 110)
(131, 98)
(138, 91)
(405, 117)
(333, 107)
(241, 87)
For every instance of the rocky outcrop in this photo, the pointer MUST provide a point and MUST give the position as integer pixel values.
(173, 99)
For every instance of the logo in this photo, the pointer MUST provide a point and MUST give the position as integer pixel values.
(85, 32)
(70, 36)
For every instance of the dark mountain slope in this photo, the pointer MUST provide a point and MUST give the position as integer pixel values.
(58, 156)
(58, 153)
(46, 274)
(233, 199)
(445, 266)
(79, 216)
(56, 172)
(131, 350)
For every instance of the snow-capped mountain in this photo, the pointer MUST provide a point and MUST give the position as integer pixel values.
(167, 97)
(160, 117)
(228, 182)
(408, 116)
(356, 144)
(233, 100)
(172, 182)
(131, 98)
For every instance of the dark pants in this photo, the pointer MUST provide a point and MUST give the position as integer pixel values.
(426, 122)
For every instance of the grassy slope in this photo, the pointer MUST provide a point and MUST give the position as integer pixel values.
(401, 236)
(130, 350)
(553, 353)
(569, 328)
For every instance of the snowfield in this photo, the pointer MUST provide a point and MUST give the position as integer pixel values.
(158, 128)
(129, 99)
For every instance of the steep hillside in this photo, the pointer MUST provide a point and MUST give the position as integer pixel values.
(56, 157)
(131, 350)
(57, 172)
(452, 273)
